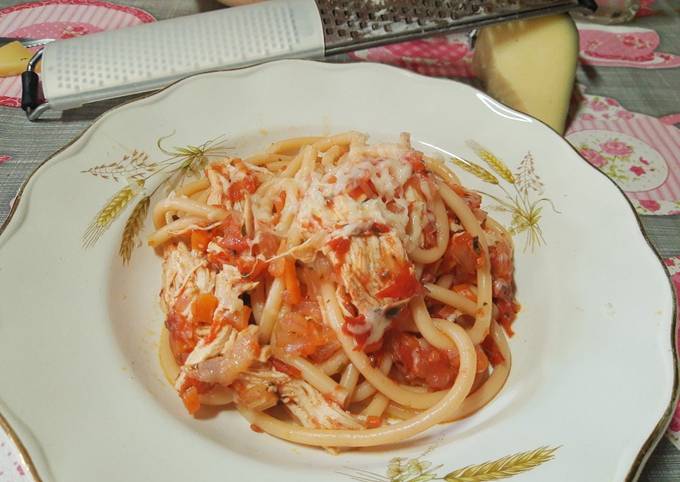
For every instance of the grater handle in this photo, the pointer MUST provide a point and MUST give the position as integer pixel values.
(148, 57)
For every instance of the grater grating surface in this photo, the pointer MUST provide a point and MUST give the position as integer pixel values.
(139, 59)
(147, 57)
(354, 24)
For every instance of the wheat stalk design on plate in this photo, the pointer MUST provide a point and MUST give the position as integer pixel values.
(504, 467)
(135, 165)
(418, 470)
(495, 163)
(133, 227)
(144, 178)
(475, 169)
(520, 197)
(107, 214)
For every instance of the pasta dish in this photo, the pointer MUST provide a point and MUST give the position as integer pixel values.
(339, 294)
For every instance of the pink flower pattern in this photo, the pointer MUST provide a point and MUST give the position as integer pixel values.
(637, 170)
(617, 148)
(650, 205)
(593, 157)
(624, 114)
(598, 105)
(71, 31)
(4, 158)
(675, 422)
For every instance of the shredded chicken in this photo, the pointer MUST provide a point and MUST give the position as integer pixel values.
(310, 407)
(185, 274)
(238, 353)
(259, 389)
(202, 351)
(370, 265)
(229, 286)
(365, 218)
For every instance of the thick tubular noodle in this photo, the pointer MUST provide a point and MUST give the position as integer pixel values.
(343, 375)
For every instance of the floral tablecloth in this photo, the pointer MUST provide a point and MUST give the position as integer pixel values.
(625, 120)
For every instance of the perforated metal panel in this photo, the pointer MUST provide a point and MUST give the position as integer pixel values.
(147, 57)
(353, 24)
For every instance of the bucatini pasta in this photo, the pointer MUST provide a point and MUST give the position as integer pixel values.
(360, 287)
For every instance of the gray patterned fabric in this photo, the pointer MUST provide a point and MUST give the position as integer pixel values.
(653, 92)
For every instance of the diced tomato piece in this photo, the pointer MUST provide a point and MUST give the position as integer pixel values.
(368, 188)
(229, 234)
(289, 370)
(492, 351)
(404, 285)
(355, 320)
(202, 387)
(200, 240)
(256, 428)
(340, 246)
(461, 258)
(373, 422)
(251, 267)
(360, 336)
(507, 312)
(415, 158)
(430, 234)
(472, 199)
(360, 339)
(234, 242)
(356, 193)
(374, 347)
(420, 362)
(380, 228)
(191, 400)
(465, 290)
(182, 336)
(393, 207)
(364, 187)
(237, 190)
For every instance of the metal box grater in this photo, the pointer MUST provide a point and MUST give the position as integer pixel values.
(147, 57)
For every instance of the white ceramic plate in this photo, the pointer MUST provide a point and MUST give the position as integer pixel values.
(594, 364)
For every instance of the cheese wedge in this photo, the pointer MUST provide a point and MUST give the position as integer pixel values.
(13, 59)
(530, 65)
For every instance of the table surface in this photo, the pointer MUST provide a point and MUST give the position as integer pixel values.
(653, 92)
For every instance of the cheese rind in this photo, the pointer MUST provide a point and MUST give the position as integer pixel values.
(530, 65)
(13, 59)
